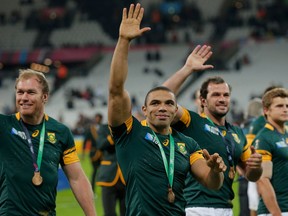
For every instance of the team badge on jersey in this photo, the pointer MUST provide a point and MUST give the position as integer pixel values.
(182, 148)
(51, 137)
(236, 138)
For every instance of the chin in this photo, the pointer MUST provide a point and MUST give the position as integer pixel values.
(26, 112)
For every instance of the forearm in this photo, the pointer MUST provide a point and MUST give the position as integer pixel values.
(253, 174)
(214, 180)
(267, 193)
(119, 66)
(177, 79)
(206, 175)
(84, 195)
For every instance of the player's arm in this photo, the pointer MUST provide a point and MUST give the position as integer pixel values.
(119, 104)
(81, 187)
(194, 62)
(252, 166)
(266, 189)
(209, 171)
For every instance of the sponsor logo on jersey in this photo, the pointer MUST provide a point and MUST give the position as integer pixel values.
(211, 129)
(18, 133)
(154, 139)
(257, 144)
(166, 142)
(281, 144)
(150, 137)
(35, 133)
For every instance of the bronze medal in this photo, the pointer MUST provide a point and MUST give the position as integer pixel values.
(37, 179)
(231, 173)
(171, 195)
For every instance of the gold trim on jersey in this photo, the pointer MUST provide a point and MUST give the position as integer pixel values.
(97, 156)
(144, 123)
(105, 162)
(269, 126)
(250, 138)
(70, 156)
(129, 123)
(110, 140)
(246, 153)
(266, 155)
(114, 181)
(18, 116)
(195, 156)
(185, 118)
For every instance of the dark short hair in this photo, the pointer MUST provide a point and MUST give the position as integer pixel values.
(158, 88)
(215, 80)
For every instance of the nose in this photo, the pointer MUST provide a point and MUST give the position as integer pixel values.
(162, 107)
(24, 96)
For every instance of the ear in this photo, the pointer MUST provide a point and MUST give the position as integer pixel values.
(203, 101)
(144, 109)
(265, 110)
(45, 98)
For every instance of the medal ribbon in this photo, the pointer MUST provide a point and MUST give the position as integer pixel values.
(37, 164)
(226, 142)
(169, 170)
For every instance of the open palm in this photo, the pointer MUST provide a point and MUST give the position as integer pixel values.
(196, 60)
(130, 25)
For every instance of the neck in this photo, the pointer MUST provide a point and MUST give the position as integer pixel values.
(215, 119)
(279, 126)
(160, 130)
(32, 120)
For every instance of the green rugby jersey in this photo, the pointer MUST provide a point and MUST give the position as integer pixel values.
(273, 146)
(207, 136)
(255, 127)
(141, 163)
(18, 195)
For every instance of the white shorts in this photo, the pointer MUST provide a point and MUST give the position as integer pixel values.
(282, 214)
(253, 196)
(205, 211)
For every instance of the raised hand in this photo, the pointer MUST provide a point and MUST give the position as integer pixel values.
(130, 25)
(196, 60)
(255, 160)
(214, 161)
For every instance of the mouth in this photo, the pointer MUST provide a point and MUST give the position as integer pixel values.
(25, 106)
(164, 117)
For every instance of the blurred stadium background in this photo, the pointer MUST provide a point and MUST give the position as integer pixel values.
(75, 40)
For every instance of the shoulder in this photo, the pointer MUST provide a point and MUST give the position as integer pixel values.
(56, 125)
(182, 137)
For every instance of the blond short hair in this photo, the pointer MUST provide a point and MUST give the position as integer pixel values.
(29, 73)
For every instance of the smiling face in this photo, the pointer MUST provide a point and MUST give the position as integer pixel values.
(30, 100)
(160, 110)
(217, 102)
